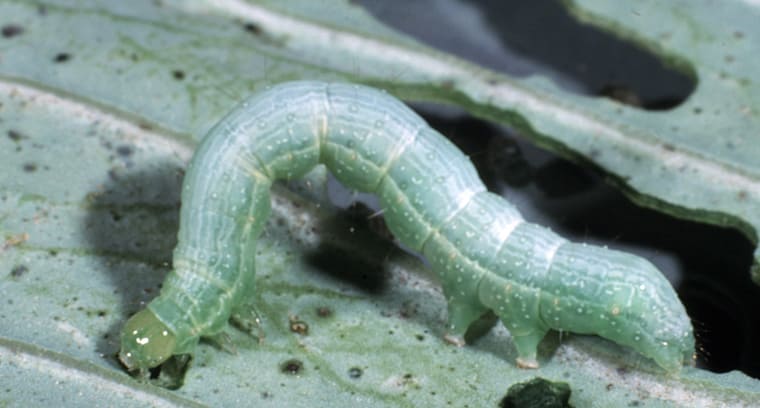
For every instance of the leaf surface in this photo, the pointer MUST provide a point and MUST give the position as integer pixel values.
(102, 103)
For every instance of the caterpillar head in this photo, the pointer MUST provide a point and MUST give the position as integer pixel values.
(146, 342)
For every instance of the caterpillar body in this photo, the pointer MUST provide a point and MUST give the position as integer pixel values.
(486, 255)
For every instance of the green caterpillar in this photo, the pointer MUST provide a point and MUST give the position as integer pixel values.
(486, 255)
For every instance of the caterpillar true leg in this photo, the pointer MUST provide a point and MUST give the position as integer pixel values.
(246, 318)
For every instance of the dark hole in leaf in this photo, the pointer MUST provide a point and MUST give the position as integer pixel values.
(543, 36)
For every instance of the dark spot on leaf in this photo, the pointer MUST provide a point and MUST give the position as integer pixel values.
(355, 373)
(62, 57)
(30, 167)
(420, 337)
(292, 366)
(697, 110)
(669, 147)
(124, 150)
(537, 392)
(324, 311)
(19, 270)
(408, 309)
(11, 30)
(16, 135)
(738, 34)
(252, 28)
(178, 74)
(298, 326)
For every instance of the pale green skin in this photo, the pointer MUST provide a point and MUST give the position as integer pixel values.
(487, 257)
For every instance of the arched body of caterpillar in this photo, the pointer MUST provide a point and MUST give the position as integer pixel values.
(486, 255)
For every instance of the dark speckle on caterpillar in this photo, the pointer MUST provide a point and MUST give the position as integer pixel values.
(486, 255)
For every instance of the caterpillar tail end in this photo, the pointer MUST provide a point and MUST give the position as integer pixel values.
(146, 342)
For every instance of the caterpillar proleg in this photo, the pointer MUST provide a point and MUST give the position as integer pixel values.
(486, 255)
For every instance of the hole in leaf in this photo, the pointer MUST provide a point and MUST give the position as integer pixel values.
(521, 38)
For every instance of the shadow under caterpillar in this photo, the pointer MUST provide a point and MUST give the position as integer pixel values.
(486, 255)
